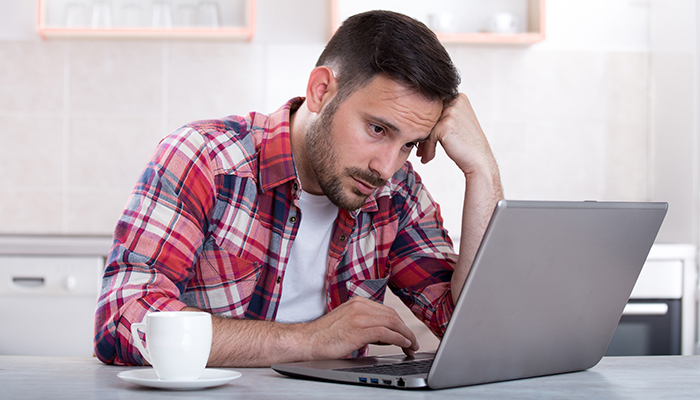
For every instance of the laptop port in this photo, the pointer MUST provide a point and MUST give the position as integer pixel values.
(401, 383)
(374, 380)
(363, 380)
(386, 381)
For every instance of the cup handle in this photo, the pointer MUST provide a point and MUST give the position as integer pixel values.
(137, 339)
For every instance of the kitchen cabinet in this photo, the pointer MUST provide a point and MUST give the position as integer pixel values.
(215, 19)
(514, 22)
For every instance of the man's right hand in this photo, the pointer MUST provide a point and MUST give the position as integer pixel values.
(354, 324)
(349, 327)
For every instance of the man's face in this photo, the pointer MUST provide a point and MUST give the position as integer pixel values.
(354, 147)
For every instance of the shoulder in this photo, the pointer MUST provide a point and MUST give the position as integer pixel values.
(230, 143)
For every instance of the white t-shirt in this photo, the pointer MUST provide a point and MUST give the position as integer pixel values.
(304, 287)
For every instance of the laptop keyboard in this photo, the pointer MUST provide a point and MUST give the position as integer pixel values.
(401, 368)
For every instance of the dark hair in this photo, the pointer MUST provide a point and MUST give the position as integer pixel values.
(393, 44)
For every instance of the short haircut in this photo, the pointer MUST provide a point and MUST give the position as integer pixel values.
(396, 46)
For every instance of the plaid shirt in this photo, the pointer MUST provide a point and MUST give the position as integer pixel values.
(211, 222)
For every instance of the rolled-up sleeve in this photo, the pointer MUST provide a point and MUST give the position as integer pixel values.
(156, 243)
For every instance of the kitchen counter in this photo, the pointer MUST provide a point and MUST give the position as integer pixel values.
(675, 377)
(32, 245)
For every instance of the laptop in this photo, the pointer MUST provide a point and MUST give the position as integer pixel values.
(544, 295)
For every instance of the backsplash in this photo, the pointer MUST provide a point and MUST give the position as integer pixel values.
(80, 118)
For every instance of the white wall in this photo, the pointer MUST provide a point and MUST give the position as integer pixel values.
(572, 118)
(674, 112)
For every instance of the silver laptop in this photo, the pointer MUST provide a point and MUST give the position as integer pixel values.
(544, 296)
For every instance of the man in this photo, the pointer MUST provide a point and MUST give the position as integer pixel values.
(289, 227)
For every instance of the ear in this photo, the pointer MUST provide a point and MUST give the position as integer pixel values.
(321, 89)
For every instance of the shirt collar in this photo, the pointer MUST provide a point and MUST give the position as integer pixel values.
(276, 159)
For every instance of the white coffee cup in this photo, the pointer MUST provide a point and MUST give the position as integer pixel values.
(503, 23)
(177, 343)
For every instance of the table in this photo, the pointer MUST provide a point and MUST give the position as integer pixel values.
(674, 377)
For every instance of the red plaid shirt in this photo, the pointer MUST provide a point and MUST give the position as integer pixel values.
(211, 222)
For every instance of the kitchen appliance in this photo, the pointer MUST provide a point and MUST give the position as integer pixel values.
(48, 293)
(662, 313)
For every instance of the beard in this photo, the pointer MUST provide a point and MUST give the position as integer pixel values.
(323, 163)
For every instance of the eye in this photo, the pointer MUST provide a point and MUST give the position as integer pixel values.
(410, 146)
(376, 129)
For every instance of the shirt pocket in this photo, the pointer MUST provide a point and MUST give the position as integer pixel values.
(373, 289)
(227, 282)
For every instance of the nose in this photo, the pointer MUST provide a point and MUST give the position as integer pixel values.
(385, 162)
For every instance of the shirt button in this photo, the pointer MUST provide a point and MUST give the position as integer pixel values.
(293, 219)
(279, 279)
(295, 187)
(343, 238)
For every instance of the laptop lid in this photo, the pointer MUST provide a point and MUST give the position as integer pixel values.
(544, 295)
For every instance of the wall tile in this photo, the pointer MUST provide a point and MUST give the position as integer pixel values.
(110, 152)
(445, 182)
(627, 163)
(548, 85)
(475, 65)
(557, 160)
(30, 211)
(112, 78)
(31, 152)
(213, 79)
(287, 69)
(31, 77)
(626, 88)
(94, 212)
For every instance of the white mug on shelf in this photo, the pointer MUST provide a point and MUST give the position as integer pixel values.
(503, 23)
(177, 343)
(441, 22)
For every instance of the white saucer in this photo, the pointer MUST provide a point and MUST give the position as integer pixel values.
(210, 378)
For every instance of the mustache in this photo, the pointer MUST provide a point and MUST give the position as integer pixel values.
(367, 176)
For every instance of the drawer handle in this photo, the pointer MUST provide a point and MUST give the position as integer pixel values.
(28, 282)
(646, 309)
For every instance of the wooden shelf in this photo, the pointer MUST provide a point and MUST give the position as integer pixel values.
(535, 22)
(49, 28)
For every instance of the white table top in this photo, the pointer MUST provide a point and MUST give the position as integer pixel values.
(676, 377)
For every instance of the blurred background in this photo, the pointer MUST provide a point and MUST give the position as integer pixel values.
(605, 105)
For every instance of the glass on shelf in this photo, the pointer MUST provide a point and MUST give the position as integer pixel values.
(75, 15)
(101, 14)
(131, 15)
(208, 14)
(161, 15)
(208, 19)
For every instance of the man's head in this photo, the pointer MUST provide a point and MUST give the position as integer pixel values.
(378, 89)
(391, 44)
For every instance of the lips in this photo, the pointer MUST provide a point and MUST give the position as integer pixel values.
(363, 187)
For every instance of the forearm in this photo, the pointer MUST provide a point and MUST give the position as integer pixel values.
(349, 327)
(483, 191)
(249, 343)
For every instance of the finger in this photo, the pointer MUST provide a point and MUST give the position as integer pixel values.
(379, 315)
(385, 336)
(426, 149)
